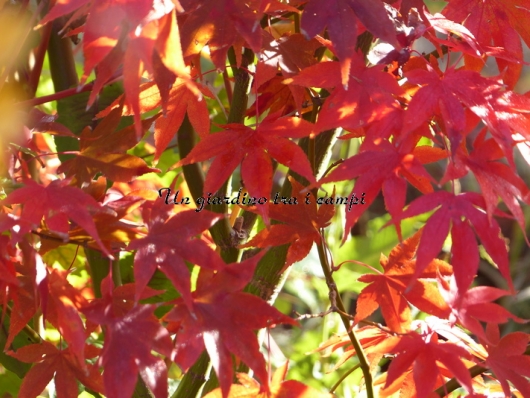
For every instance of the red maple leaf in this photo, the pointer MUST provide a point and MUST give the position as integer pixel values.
(279, 98)
(508, 359)
(494, 177)
(220, 24)
(130, 339)
(114, 229)
(290, 54)
(50, 361)
(498, 23)
(56, 203)
(394, 167)
(423, 351)
(7, 262)
(508, 116)
(436, 97)
(448, 96)
(390, 292)
(64, 301)
(253, 149)
(160, 249)
(459, 38)
(456, 213)
(369, 96)
(31, 273)
(114, 226)
(341, 18)
(474, 306)
(223, 319)
(301, 224)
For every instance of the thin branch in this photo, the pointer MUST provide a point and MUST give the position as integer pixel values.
(337, 301)
(301, 317)
(59, 239)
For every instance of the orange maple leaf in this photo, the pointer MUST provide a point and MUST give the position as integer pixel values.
(389, 290)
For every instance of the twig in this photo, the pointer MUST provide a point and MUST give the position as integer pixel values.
(335, 296)
(301, 317)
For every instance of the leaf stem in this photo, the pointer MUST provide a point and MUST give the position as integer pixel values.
(343, 377)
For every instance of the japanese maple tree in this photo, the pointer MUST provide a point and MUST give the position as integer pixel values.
(194, 196)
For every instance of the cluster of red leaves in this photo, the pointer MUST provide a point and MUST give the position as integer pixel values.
(215, 316)
(420, 359)
(395, 103)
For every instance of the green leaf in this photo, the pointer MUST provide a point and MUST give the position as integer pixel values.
(9, 384)
(14, 365)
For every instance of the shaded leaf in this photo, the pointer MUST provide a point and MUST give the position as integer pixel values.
(341, 18)
(160, 249)
(129, 340)
(508, 361)
(103, 151)
(50, 362)
(223, 319)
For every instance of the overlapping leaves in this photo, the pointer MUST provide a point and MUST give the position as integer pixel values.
(253, 149)
(222, 319)
(300, 225)
(391, 106)
(160, 249)
(103, 150)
